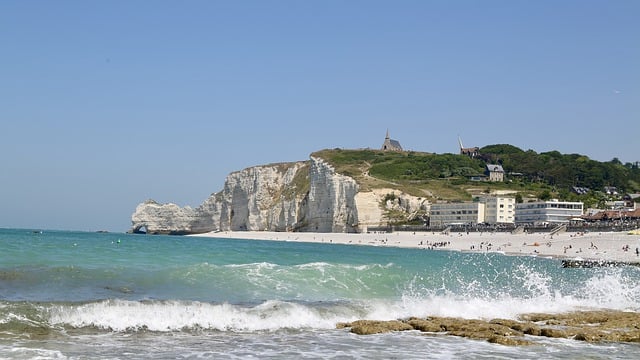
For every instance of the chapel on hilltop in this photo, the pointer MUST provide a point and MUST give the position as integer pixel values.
(390, 144)
(471, 152)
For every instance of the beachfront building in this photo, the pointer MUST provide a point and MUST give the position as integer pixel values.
(548, 212)
(487, 209)
(390, 144)
(495, 172)
(457, 213)
(499, 209)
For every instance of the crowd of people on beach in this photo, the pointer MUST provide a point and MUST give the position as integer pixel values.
(615, 246)
(432, 245)
(483, 246)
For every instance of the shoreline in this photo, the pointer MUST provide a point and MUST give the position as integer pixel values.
(588, 246)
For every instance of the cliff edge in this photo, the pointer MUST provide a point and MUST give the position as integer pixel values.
(297, 196)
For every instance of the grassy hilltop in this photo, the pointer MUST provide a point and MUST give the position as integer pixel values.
(448, 176)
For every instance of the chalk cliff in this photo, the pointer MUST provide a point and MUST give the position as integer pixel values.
(330, 205)
(297, 196)
(257, 198)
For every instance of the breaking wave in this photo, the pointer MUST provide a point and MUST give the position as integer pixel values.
(610, 289)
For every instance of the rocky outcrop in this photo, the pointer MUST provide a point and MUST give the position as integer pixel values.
(387, 206)
(590, 326)
(262, 198)
(298, 196)
(257, 198)
(175, 220)
(331, 205)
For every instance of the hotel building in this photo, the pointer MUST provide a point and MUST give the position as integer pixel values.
(488, 209)
(553, 211)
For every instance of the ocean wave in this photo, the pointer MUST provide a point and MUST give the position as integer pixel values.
(122, 315)
(264, 296)
(523, 289)
(611, 289)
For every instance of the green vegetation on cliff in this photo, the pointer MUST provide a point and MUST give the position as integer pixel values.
(449, 176)
(564, 170)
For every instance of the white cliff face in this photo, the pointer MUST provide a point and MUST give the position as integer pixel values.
(300, 196)
(331, 204)
(370, 212)
(255, 199)
(175, 220)
(404, 202)
(262, 198)
(373, 205)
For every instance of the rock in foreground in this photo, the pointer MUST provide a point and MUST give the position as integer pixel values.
(590, 326)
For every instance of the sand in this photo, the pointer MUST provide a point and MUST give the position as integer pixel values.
(606, 246)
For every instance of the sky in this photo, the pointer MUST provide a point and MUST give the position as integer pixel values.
(104, 104)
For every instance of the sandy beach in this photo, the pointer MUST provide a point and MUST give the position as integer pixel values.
(605, 246)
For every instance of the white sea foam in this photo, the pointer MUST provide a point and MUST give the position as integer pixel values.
(611, 290)
(121, 315)
(31, 354)
(529, 291)
(259, 265)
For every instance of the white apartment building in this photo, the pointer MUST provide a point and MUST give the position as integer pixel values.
(488, 209)
(552, 211)
(499, 209)
(457, 213)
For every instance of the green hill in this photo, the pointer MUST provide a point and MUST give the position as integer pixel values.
(449, 176)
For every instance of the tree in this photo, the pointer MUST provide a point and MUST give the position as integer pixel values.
(544, 195)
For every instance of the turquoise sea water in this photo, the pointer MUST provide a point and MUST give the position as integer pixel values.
(98, 295)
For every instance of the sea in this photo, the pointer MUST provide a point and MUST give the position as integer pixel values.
(84, 295)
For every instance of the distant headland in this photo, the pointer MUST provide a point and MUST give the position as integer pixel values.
(340, 190)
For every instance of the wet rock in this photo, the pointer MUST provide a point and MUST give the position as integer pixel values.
(553, 333)
(425, 325)
(587, 336)
(525, 328)
(475, 329)
(369, 327)
(508, 340)
(589, 326)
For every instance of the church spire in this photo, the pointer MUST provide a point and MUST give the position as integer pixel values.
(390, 145)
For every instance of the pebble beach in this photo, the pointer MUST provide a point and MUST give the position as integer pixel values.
(601, 246)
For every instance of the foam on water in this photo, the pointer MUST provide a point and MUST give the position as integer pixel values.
(34, 354)
(121, 315)
(612, 290)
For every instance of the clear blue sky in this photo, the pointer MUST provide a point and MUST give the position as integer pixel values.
(104, 104)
